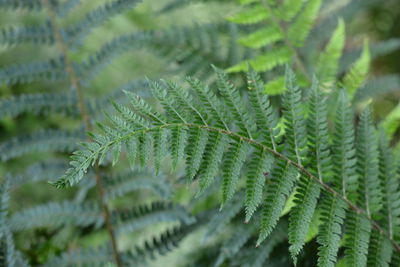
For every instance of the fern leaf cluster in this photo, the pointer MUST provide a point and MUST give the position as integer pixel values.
(300, 165)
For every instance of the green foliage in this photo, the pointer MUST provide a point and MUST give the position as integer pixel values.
(304, 160)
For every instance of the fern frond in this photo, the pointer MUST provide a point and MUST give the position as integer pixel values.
(328, 61)
(198, 140)
(333, 213)
(56, 214)
(38, 104)
(261, 37)
(390, 184)
(289, 9)
(343, 150)
(295, 125)
(145, 215)
(97, 17)
(358, 72)
(236, 108)
(301, 27)
(250, 15)
(50, 70)
(392, 121)
(264, 62)
(266, 115)
(370, 195)
(42, 35)
(41, 141)
(276, 195)
(32, 5)
(380, 250)
(306, 198)
(258, 166)
(163, 244)
(234, 161)
(43, 171)
(275, 86)
(358, 230)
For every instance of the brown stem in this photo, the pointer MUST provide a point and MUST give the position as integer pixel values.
(73, 77)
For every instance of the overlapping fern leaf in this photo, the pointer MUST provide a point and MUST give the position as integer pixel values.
(301, 162)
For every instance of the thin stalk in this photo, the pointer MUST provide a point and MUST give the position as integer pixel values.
(73, 77)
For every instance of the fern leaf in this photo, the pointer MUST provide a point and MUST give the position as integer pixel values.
(250, 15)
(266, 116)
(160, 143)
(198, 140)
(236, 108)
(42, 35)
(282, 181)
(343, 150)
(275, 86)
(380, 250)
(210, 102)
(97, 17)
(328, 61)
(289, 9)
(179, 137)
(333, 213)
(295, 125)
(258, 166)
(50, 70)
(390, 185)
(231, 168)
(38, 104)
(261, 37)
(264, 62)
(392, 121)
(41, 141)
(318, 134)
(212, 157)
(358, 72)
(33, 5)
(55, 215)
(370, 197)
(358, 230)
(144, 148)
(301, 27)
(306, 198)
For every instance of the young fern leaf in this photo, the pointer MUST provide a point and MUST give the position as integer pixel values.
(358, 72)
(328, 61)
(301, 27)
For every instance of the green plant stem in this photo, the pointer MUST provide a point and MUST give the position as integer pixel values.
(272, 151)
(73, 77)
